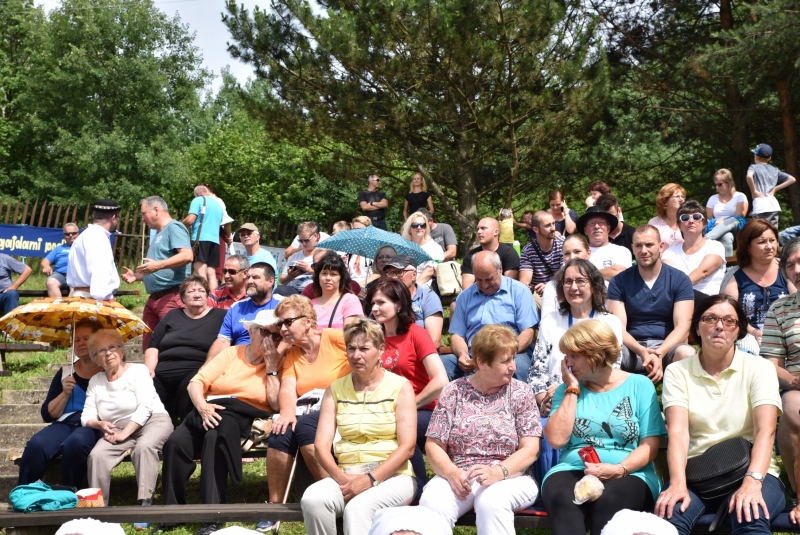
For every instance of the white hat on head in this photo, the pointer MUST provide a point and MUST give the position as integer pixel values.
(264, 318)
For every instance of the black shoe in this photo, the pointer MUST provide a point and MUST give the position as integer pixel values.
(207, 528)
(163, 526)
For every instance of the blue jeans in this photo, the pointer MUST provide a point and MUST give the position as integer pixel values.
(789, 234)
(774, 496)
(522, 360)
(71, 440)
(9, 300)
(725, 233)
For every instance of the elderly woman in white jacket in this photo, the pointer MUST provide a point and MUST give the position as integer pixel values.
(122, 403)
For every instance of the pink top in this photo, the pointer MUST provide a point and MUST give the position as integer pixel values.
(480, 428)
(348, 307)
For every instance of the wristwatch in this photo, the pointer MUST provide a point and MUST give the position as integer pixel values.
(755, 475)
(272, 373)
(375, 481)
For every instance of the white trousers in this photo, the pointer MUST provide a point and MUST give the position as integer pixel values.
(494, 505)
(323, 503)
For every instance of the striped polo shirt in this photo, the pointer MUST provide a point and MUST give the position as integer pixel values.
(781, 334)
(367, 422)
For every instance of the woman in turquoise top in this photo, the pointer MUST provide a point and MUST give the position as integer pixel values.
(615, 412)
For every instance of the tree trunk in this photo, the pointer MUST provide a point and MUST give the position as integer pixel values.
(467, 200)
(789, 142)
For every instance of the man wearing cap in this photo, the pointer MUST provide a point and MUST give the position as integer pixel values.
(54, 265)
(443, 234)
(259, 282)
(764, 181)
(9, 297)
(204, 219)
(250, 237)
(424, 302)
(374, 203)
(91, 271)
(541, 257)
(165, 266)
(232, 290)
(609, 259)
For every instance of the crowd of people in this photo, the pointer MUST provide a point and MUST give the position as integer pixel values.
(552, 349)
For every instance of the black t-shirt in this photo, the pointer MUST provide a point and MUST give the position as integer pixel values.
(179, 338)
(417, 201)
(625, 238)
(372, 196)
(508, 257)
(561, 226)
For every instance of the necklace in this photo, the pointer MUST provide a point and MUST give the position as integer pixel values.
(591, 315)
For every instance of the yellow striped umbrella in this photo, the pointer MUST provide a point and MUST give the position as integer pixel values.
(51, 320)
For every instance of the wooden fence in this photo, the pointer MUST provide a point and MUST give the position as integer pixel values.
(133, 235)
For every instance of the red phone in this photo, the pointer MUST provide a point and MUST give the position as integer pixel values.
(588, 454)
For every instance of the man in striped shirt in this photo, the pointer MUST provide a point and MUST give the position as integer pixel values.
(233, 289)
(781, 345)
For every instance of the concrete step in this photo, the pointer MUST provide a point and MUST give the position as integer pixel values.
(27, 413)
(7, 484)
(17, 435)
(20, 397)
(7, 466)
(40, 383)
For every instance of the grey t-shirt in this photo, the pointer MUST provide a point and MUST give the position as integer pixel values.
(443, 235)
(172, 237)
(766, 176)
(8, 266)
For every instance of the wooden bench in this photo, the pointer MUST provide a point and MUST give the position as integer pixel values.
(19, 348)
(65, 293)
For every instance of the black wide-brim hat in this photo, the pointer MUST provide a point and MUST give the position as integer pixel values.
(596, 211)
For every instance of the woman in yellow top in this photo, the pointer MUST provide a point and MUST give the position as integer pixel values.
(314, 361)
(376, 416)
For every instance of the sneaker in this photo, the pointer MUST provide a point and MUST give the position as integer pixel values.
(207, 528)
(265, 526)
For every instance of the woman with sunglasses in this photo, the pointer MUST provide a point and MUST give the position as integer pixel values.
(316, 358)
(701, 259)
(758, 282)
(179, 345)
(410, 353)
(727, 208)
(416, 230)
(244, 383)
(718, 394)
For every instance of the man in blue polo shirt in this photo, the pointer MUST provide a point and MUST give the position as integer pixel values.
(54, 265)
(258, 285)
(493, 299)
(655, 303)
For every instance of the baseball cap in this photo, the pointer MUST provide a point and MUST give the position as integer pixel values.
(401, 261)
(763, 151)
(249, 226)
(264, 318)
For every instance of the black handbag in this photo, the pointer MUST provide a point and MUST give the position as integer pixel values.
(720, 470)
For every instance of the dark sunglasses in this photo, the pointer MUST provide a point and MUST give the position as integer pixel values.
(307, 240)
(70, 234)
(418, 225)
(276, 337)
(695, 216)
(288, 322)
(232, 271)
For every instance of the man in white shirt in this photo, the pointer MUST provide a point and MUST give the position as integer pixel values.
(91, 271)
(610, 259)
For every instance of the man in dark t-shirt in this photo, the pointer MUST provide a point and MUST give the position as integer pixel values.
(623, 234)
(374, 203)
(489, 239)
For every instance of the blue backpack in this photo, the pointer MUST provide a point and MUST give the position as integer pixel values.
(40, 497)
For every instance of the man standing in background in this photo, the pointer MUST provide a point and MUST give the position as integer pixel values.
(374, 203)
(91, 271)
(204, 219)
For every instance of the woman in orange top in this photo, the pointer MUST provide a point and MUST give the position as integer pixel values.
(315, 360)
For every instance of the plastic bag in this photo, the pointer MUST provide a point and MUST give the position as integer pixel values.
(588, 489)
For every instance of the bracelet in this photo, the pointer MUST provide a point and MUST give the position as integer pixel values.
(505, 472)
(624, 469)
(573, 390)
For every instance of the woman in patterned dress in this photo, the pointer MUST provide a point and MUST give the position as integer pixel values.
(483, 435)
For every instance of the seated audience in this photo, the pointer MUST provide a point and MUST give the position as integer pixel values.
(701, 259)
(614, 412)
(296, 245)
(62, 410)
(425, 304)
(123, 405)
(251, 239)
(298, 271)
(54, 265)
(333, 300)
(379, 263)
(565, 218)
(668, 200)
(443, 234)
(623, 234)
(359, 266)
(409, 353)
(497, 299)
(244, 382)
(654, 302)
(483, 436)
(340, 226)
(541, 257)
(758, 282)
(180, 344)
(575, 246)
(315, 360)
(416, 230)
(234, 276)
(488, 233)
(718, 394)
(610, 259)
(9, 297)
(372, 410)
(727, 208)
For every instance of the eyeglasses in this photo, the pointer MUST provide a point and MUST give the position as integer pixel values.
(375, 179)
(418, 225)
(288, 322)
(106, 350)
(695, 216)
(307, 240)
(384, 257)
(597, 223)
(232, 271)
(70, 234)
(397, 273)
(728, 322)
(276, 337)
(580, 283)
(719, 184)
